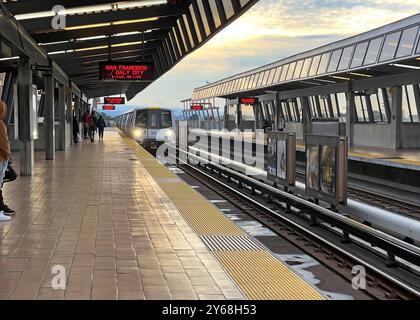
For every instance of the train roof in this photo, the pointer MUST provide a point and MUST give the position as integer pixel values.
(143, 108)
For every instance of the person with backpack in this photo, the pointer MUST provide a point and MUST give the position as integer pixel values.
(101, 127)
(5, 211)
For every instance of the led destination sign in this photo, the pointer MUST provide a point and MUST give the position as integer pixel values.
(126, 71)
(114, 100)
(105, 107)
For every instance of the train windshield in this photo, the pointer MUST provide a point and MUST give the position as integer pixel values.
(165, 119)
(141, 119)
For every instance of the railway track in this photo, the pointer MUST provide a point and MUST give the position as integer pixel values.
(318, 238)
(386, 202)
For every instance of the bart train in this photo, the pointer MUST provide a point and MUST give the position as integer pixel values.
(149, 126)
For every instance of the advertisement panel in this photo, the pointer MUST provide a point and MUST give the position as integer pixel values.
(312, 167)
(326, 168)
(281, 157)
(271, 156)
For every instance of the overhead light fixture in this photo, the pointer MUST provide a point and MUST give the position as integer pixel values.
(9, 58)
(340, 78)
(113, 46)
(108, 24)
(404, 66)
(91, 9)
(361, 74)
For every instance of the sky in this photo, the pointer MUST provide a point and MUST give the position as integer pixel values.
(271, 30)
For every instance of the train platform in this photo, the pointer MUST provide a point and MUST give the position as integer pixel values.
(123, 226)
(404, 159)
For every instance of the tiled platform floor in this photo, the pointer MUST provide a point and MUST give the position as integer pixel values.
(93, 211)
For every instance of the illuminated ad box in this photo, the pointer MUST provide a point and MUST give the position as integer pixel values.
(126, 71)
(326, 168)
(281, 158)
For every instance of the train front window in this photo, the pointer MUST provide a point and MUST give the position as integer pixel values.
(165, 119)
(141, 119)
(153, 120)
(247, 112)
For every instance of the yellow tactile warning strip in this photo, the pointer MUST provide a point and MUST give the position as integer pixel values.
(257, 272)
(274, 280)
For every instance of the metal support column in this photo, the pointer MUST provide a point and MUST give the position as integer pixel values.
(49, 118)
(350, 117)
(24, 92)
(396, 118)
(306, 117)
(62, 118)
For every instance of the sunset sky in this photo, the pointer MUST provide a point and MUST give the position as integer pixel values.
(269, 31)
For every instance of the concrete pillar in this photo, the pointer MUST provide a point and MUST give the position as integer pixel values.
(396, 117)
(62, 118)
(25, 118)
(49, 118)
(350, 119)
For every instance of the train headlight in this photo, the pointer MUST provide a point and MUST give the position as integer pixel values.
(137, 133)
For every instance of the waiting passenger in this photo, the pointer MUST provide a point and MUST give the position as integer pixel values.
(85, 125)
(75, 130)
(101, 127)
(92, 126)
(5, 211)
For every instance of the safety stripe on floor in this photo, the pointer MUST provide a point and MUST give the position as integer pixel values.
(254, 269)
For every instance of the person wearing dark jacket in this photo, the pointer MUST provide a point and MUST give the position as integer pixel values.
(5, 211)
(75, 130)
(101, 127)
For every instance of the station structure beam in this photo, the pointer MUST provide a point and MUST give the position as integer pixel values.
(49, 117)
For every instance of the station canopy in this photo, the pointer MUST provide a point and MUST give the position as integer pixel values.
(158, 32)
(381, 54)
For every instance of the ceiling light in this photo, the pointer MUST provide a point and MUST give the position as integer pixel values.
(89, 9)
(361, 74)
(405, 66)
(340, 78)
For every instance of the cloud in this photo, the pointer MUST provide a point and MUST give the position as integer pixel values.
(269, 31)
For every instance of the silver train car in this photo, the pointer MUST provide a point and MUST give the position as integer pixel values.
(149, 126)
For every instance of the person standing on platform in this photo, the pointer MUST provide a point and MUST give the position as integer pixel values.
(5, 211)
(85, 125)
(75, 130)
(101, 127)
(92, 126)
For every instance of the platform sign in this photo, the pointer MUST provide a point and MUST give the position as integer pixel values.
(197, 107)
(326, 168)
(114, 100)
(281, 158)
(126, 71)
(108, 107)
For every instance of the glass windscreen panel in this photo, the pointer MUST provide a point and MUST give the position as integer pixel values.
(291, 70)
(335, 59)
(215, 13)
(406, 45)
(373, 51)
(187, 28)
(390, 46)
(306, 67)
(227, 5)
(359, 55)
(203, 17)
(298, 69)
(141, 119)
(324, 63)
(194, 19)
(314, 66)
(345, 58)
(165, 119)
